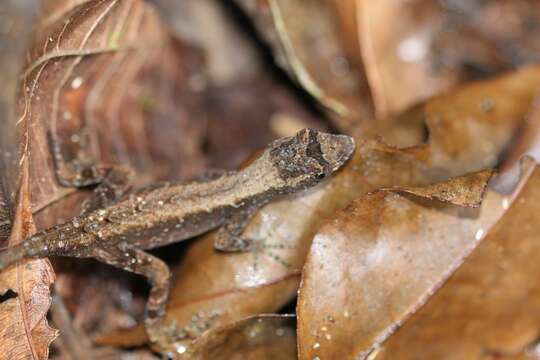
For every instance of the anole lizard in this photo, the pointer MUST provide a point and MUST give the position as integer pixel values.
(118, 234)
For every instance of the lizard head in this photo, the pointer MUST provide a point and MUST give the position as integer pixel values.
(309, 156)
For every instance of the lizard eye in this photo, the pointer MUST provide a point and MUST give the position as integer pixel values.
(320, 176)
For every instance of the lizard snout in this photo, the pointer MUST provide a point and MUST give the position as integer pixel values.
(336, 149)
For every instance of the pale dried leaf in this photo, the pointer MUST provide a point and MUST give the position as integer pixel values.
(25, 333)
(467, 190)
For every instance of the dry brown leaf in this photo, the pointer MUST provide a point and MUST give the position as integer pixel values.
(25, 333)
(266, 286)
(490, 306)
(381, 258)
(264, 337)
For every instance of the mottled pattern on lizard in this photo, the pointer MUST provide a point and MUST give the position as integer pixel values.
(162, 214)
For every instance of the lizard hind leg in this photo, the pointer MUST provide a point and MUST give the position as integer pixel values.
(158, 275)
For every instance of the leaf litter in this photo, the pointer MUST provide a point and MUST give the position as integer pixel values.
(417, 201)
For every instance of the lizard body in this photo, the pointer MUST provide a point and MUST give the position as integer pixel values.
(118, 234)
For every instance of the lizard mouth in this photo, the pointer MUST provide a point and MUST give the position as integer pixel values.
(336, 149)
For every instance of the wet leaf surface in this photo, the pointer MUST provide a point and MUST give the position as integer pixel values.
(260, 337)
(381, 258)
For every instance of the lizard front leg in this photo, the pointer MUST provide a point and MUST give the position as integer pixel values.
(80, 168)
(229, 237)
(158, 275)
(111, 182)
(115, 183)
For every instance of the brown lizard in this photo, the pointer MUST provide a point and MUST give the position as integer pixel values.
(118, 234)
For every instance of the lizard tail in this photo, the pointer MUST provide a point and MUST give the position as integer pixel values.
(11, 255)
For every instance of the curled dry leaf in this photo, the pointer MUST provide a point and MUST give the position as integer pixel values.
(380, 259)
(470, 127)
(490, 306)
(25, 333)
(464, 191)
(255, 338)
(214, 289)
